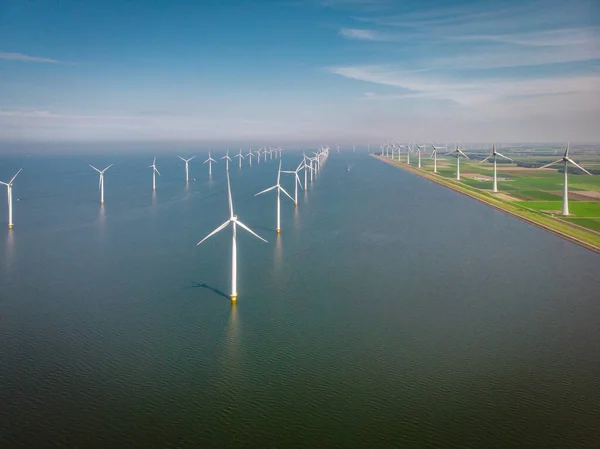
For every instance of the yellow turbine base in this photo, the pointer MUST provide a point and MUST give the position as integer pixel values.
(295, 204)
(279, 231)
(234, 298)
(10, 226)
(101, 202)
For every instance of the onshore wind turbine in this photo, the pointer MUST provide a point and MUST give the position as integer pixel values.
(494, 155)
(419, 153)
(154, 172)
(565, 160)
(101, 181)
(296, 181)
(279, 190)
(9, 191)
(458, 153)
(227, 159)
(210, 160)
(434, 156)
(232, 219)
(186, 166)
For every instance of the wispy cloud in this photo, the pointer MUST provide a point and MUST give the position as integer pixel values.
(362, 34)
(26, 58)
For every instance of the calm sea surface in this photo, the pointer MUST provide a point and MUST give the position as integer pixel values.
(389, 312)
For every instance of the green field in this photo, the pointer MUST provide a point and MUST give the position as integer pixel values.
(576, 208)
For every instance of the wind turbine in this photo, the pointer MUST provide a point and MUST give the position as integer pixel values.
(458, 153)
(565, 160)
(9, 191)
(279, 190)
(258, 156)
(434, 156)
(240, 156)
(210, 160)
(101, 181)
(232, 219)
(227, 159)
(494, 155)
(408, 150)
(186, 166)
(419, 153)
(249, 156)
(296, 181)
(265, 152)
(154, 172)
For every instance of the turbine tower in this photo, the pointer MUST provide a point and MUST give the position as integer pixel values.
(154, 172)
(565, 160)
(279, 190)
(494, 155)
(210, 160)
(9, 185)
(101, 181)
(419, 147)
(186, 166)
(227, 159)
(235, 222)
(296, 181)
(249, 156)
(458, 153)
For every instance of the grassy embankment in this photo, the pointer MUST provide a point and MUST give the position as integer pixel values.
(583, 228)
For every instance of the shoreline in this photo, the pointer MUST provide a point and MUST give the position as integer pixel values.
(498, 204)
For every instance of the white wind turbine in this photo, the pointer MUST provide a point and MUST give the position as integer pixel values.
(458, 153)
(434, 156)
(296, 181)
(408, 150)
(419, 147)
(240, 156)
(565, 160)
(249, 156)
(227, 159)
(187, 161)
(9, 191)
(494, 155)
(154, 172)
(279, 190)
(265, 152)
(258, 156)
(101, 181)
(210, 160)
(232, 219)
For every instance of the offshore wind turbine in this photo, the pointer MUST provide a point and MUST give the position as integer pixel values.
(279, 190)
(240, 156)
(186, 166)
(210, 160)
(235, 222)
(258, 156)
(154, 172)
(249, 156)
(495, 154)
(565, 160)
(9, 185)
(101, 181)
(458, 153)
(434, 156)
(296, 181)
(227, 159)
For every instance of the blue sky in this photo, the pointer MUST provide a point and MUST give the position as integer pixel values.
(299, 71)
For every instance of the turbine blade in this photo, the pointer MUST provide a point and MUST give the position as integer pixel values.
(13, 178)
(460, 151)
(4, 183)
(242, 225)
(156, 169)
(567, 149)
(220, 228)
(229, 196)
(574, 163)
(298, 179)
(266, 190)
(182, 158)
(94, 168)
(486, 158)
(283, 190)
(551, 163)
(191, 158)
(501, 155)
(154, 163)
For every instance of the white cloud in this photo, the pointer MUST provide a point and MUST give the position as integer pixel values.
(361, 34)
(26, 58)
